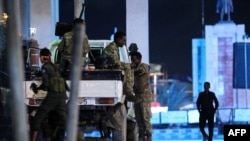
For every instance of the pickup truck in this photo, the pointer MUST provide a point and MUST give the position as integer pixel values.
(100, 91)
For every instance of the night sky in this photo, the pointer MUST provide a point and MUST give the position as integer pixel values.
(172, 25)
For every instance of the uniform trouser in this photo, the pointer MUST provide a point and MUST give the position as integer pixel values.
(128, 82)
(53, 102)
(142, 116)
(207, 116)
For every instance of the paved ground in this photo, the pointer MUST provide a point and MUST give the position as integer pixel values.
(174, 134)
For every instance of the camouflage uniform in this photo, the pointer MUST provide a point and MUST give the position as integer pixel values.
(112, 51)
(143, 109)
(54, 101)
(65, 49)
(115, 114)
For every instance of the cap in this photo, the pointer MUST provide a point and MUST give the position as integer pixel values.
(133, 47)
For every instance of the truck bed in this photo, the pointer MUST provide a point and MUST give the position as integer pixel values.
(99, 87)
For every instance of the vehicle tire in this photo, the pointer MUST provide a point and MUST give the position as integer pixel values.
(120, 135)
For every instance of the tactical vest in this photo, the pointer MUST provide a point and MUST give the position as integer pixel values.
(57, 83)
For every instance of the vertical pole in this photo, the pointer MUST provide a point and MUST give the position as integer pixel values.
(237, 98)
(25, 20)
(203, 18)
(83, 15)
(246, 67)
(54, 10)
(77, 8)
(155, 87)
(15, 68)
(73, 109)
(137, 25)
(1, 9)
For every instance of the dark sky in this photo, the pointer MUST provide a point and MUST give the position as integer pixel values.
(172, 25)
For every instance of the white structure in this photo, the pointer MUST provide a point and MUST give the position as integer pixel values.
(213, 60)
(43, 16)
(137, 26)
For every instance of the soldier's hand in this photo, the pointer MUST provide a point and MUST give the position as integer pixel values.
(133, 65)
(34, 88)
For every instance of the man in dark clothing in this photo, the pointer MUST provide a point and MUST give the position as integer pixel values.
(207, 105)
(56, 97)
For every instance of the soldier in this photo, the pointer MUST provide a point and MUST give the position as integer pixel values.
(112, 51)
(133, 48)
(65, 49)
(142, 91)
(66, 45)
(56, 97)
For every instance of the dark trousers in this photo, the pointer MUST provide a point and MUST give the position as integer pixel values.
(55, 103)
(209, 117)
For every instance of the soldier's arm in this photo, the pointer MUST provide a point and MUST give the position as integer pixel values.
(61, 44)
(86, 48)
(143, 69)
(110, 53)
(45, 79)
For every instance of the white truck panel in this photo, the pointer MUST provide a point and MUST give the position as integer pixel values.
(100, 88)
(89, 90)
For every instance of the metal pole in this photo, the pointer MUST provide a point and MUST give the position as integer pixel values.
(246, 67)
(202, 18)
(15, 67)
(1, 9)
(25, 20)
(77, 8)
(73, 108)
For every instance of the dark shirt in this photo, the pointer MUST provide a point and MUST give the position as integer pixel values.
(48, 71)
(205, 102)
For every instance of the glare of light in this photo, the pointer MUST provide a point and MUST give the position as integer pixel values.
(5, 16)
(33, 31)
(159, 109)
